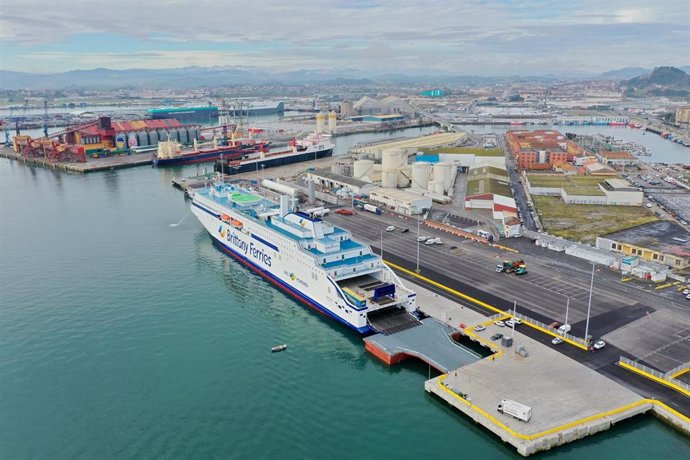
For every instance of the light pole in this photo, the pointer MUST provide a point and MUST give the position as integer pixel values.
(589, 304)
(382, 245)
(418, 244)
(567, 306)
(512, 334)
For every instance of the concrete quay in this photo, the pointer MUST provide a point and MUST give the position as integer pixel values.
(91, 165)
(569, 401)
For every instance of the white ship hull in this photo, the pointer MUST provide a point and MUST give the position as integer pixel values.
(284, 262)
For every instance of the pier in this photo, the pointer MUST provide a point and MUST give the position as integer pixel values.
(91, 165)
(569, 401)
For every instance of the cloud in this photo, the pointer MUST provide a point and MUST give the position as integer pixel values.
(472, 36)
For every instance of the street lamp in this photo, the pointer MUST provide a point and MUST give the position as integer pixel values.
(381, 245)
(589, 304)
(418, 244)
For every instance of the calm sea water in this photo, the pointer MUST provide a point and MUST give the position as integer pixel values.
(123, 336)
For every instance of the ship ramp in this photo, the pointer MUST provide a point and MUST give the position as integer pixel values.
(429, 340)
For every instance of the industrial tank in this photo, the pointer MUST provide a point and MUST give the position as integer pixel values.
(420, 174)
(443, 171)
(142, 139)
(120, 140)
(332, 121)
(320, 122)
(436, 186)
(363, 168)
(153, 137)
(184, 137)
(393, 159)
(389, 178)
(404, 175)
(132, 140)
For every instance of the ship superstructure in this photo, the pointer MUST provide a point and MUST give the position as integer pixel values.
(314, 261)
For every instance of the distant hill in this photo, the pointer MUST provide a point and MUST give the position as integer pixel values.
(624, 73)
(662, 81)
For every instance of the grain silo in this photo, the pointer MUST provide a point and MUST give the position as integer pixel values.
(363, 169)
(389, 178)
(420, 174)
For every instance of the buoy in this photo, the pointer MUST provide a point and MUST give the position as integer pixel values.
(279, 348)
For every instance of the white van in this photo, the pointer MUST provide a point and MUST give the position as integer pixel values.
(564, 329)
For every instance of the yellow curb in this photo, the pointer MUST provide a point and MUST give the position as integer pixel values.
(479, 302)
(655, 378)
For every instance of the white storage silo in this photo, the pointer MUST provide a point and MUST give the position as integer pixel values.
(393, 159)
(443, 171)
(420, 174)
(438, 187)
(331, 122)
(362, 169)
(433, 185)
(389, 178)
(320, 123)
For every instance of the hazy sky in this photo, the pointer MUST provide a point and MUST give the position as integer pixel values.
(488, 37)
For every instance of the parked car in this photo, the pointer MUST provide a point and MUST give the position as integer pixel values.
(390, 228)
(438, 241)
(686, 292)
(453, 247)
(345, 212)
(404, 230)
(499, 323)
(557, 340)
(687, 296)
(564, 329)
(510, 323)
(479, 328)
(421, 239)
(599, 345)
(430, 242)
(497, 336)
(516, 321)
(555, 324)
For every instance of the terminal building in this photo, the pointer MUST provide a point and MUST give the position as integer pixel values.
(663, 242)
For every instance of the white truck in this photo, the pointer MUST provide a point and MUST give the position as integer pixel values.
(515, 409)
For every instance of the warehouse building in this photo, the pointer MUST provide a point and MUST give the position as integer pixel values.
(400, 201)
(488, 188)
(335, 181)
(663, 242)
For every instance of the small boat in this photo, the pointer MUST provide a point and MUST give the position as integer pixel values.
(278, 348)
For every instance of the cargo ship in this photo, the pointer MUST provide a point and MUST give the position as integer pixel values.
(312, 147)
(171, 152)
(310, 259)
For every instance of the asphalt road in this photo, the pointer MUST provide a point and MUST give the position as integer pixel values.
(541, 294)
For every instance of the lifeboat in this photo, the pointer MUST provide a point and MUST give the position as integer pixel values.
(236, 223)
(226, 218)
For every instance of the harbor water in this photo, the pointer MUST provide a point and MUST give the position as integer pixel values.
(124, 332)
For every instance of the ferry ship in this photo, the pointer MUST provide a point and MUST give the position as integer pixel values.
(314, 261)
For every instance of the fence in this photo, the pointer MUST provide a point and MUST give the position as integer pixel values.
(656, 373)
(527, 319)
(678, 370)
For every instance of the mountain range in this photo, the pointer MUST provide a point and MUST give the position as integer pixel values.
(191, 77)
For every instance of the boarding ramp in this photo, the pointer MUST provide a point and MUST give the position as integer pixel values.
(431, 341)
(391, 320)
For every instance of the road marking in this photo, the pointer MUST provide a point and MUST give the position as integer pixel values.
(625, 280)
(462, 295)
(655, 378)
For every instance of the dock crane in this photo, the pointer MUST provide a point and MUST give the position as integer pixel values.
(45, 117)
(6, 128)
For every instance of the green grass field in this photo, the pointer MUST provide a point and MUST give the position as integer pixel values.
(584, 222)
